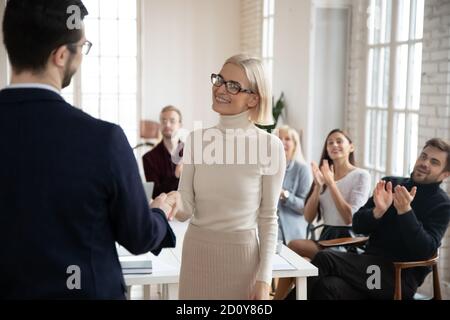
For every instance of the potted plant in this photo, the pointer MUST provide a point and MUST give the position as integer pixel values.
(277, 109)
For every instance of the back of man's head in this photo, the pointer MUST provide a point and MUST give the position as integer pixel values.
(32, 29)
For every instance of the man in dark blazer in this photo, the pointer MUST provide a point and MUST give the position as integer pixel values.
(69, 183)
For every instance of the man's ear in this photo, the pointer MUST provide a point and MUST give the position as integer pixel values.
(59, 56)
(446, 175)
(253, 100)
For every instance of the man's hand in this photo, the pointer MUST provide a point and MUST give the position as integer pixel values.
(160, 202)
(179, 170)
(261, 291)
(382, 197)
(403, 199)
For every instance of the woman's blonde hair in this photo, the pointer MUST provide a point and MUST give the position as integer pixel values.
(260, 84)
(293, 134)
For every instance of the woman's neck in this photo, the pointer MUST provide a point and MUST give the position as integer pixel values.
(236, 121)
(341, 168)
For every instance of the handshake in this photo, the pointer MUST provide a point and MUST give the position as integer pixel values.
(169, 203)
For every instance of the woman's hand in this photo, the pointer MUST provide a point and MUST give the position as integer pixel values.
(261, 291)
(327, 173)
(317, 175)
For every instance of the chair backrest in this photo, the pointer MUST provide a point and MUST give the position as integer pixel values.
(312, 231)
(399, 266)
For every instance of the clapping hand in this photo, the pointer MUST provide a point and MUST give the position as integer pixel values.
(327, 173)
(179, 170)
(317, 175)
(403, 198)
(382, 197)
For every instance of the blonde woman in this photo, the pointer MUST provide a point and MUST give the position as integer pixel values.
(297, 182)
(231, 193)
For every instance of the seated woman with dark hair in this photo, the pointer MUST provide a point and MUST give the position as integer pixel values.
(339, 190)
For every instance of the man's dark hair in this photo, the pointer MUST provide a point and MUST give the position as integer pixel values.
(440, 144)
(32, 29)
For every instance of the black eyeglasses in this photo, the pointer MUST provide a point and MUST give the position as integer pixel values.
(232, 87)
(85, 47)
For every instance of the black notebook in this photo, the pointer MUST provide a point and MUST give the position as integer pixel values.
(136, 267)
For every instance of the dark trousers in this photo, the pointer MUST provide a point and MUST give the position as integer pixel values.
(350, 276)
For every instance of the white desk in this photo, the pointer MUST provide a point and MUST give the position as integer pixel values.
(165, 272)
(301, 270)
(166, 269)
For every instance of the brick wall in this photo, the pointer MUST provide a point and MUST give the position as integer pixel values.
(435, 95)
(356, 73)
(251, 27)
(434, 119)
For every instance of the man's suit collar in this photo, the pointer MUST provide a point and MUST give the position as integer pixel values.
(29, 94)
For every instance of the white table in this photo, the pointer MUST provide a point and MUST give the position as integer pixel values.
(165, 272)
(301, 269)
(166, 269)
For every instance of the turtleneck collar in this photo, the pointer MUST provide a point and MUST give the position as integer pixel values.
(426, 188)
(237, 121)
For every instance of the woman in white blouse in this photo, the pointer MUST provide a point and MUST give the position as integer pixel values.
(339, 190)
(230, 186)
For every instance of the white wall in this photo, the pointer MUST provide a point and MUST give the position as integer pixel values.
(292, 64)
(310, 62)
(329, 79)
(183, 42)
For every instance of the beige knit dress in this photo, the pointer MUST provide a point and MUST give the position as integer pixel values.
(230, 186)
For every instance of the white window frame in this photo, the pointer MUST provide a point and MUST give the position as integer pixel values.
(77, 91)
(393, 44)
(268, 35)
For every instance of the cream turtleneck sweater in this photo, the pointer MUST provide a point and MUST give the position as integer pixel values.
(231, 181)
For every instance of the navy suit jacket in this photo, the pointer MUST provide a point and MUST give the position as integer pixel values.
(69, 189)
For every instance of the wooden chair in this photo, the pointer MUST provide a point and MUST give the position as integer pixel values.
(398, 266)
(149, 130)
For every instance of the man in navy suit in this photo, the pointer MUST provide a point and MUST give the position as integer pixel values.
(69, 183)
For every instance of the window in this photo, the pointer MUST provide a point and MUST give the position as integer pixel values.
(267, 41)
(393, 86)
(106, 86)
